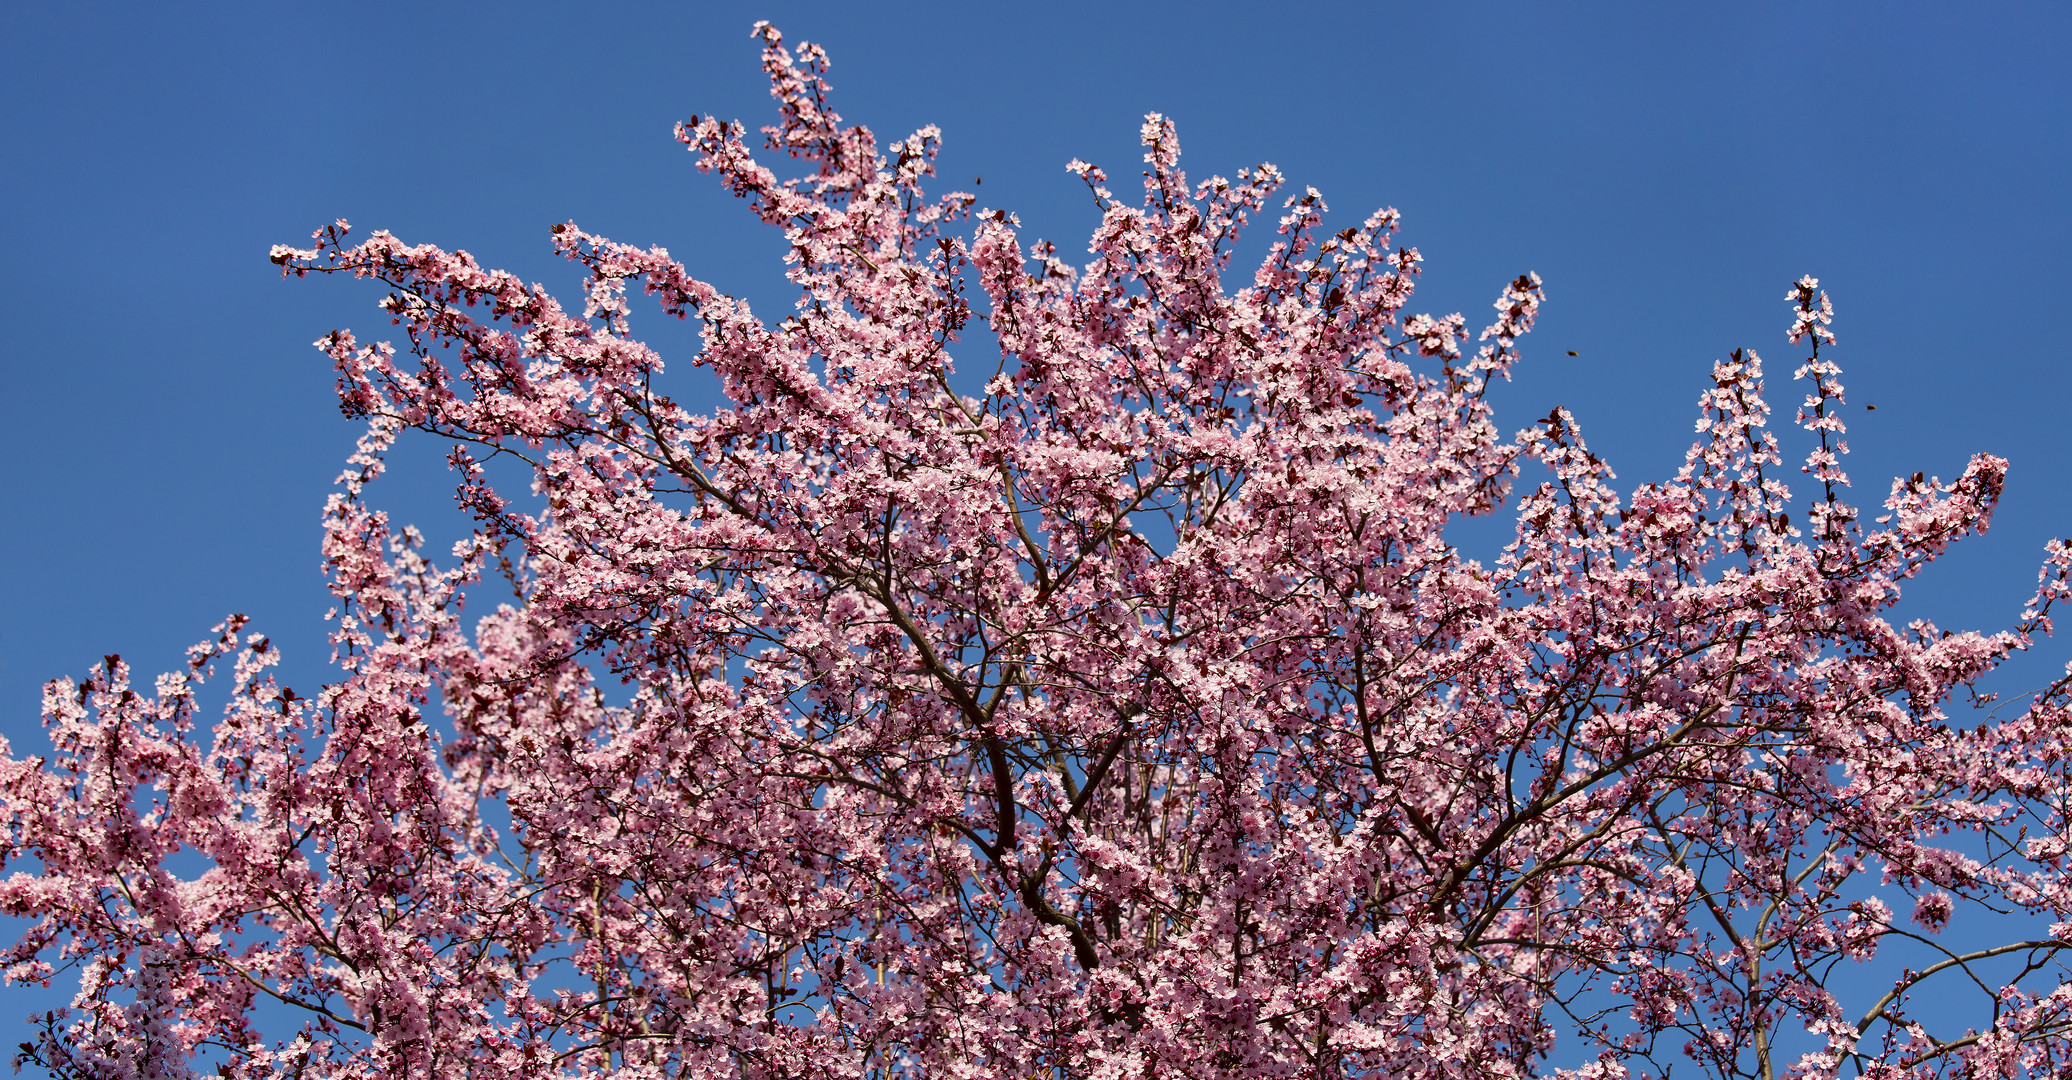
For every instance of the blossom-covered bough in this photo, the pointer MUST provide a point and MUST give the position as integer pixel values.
(1109, 705)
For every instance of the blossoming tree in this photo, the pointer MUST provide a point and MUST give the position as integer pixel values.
(1109, 704)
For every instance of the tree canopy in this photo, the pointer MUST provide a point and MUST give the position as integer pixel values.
(1107, 703)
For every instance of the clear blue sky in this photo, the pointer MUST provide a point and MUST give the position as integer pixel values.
(1667, 169)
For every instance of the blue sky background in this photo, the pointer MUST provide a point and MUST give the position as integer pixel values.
(1667, 169)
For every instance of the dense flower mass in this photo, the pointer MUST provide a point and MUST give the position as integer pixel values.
(1111, 704)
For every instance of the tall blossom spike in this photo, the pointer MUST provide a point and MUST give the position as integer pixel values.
(1113, 706)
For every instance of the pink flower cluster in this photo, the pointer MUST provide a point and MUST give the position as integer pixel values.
(1111, 704)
